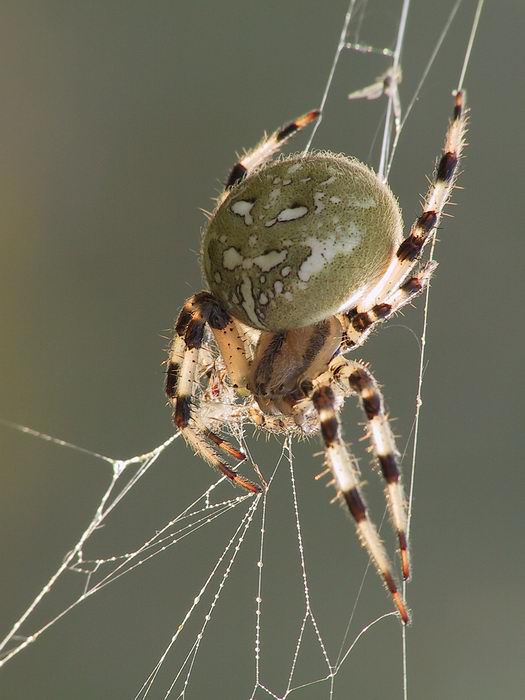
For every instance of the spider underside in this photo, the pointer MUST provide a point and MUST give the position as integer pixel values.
(304, 257)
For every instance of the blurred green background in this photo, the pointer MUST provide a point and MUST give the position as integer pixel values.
(118, 121)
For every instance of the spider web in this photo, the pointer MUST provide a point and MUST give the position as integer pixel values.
(242, 518)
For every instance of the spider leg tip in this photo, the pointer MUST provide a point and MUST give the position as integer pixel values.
(405, 565)
(246, 484)
(401, 607)
(405, 557)
(308, 118)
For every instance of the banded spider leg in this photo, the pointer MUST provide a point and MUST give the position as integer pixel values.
(183, 364)
(346, 472)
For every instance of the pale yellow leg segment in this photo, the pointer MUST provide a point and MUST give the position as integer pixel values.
(346, 477)
(361, 381)
(358, 326)
(233, 352)
(434, 203)
(183, 373)
(266, 148)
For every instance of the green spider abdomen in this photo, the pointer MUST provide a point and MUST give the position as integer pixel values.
(300, 239)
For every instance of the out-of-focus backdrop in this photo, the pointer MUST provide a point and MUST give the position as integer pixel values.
(118, 122)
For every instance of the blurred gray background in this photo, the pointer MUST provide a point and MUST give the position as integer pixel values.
(118, 121)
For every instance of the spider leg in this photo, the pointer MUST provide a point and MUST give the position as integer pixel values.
(181, 376)
(361, 381)
(266, 148)
(359, 325)
(434, 203)
(224, 445)
(346, 474)
(201, 309)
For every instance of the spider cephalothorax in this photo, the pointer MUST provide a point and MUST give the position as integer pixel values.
(303, 257)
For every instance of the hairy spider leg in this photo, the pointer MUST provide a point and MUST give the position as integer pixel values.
(266, 148)
(181, 376)
(362, 382)
(436, 198)
(358, 326)
(346, 475)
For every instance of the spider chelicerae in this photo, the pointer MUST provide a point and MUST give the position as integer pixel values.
(304, 257)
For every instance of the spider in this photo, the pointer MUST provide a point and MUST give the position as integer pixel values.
(304, 257)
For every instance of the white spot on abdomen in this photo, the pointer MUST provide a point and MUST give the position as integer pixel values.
(365, 203)
(231, 258)
(324, 251)
(273, 197)
(243, 208)
(294, 168)
(248, 303)
(292, 213)
(270, 260)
